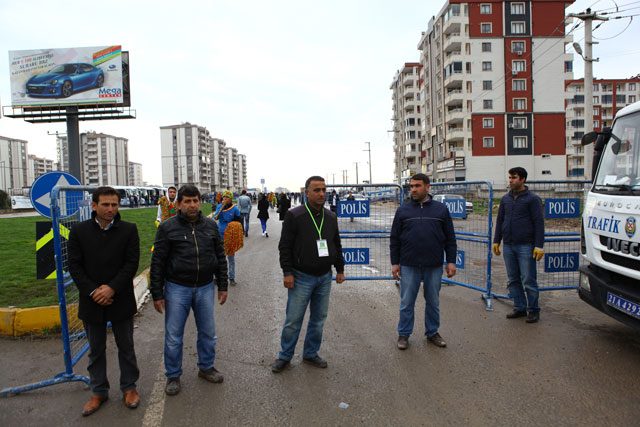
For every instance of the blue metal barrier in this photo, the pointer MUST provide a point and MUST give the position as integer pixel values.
(64, 200)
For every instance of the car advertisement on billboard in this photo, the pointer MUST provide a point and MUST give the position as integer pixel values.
(74, 76)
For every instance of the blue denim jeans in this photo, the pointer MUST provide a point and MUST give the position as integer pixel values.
(245, 222)
(308, 290)
(263, 223)
(231, 263)
(179, 300)
(521, 272)
(410, 278)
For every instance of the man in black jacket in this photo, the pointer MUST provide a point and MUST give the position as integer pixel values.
(422, 232)
(520, 225)
(309, 246)
(103, 259)
(187, 254)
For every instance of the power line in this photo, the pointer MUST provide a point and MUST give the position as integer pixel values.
(620, 33)
(618, 7)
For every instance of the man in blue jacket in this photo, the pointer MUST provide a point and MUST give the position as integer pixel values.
(520, 225)
(421, 234)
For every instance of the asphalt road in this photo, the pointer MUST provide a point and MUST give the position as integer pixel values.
(575, 367)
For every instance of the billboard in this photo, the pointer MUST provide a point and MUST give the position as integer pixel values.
(73, 76)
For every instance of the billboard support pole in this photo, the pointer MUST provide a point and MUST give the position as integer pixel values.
(73, 141)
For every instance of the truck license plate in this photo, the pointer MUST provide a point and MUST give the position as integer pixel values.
(621, 304)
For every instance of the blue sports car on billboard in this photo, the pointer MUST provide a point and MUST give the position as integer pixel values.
(64, 80)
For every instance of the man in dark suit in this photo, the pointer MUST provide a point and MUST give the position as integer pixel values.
(103, 259)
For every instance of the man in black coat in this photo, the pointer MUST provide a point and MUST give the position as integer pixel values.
(103, 259)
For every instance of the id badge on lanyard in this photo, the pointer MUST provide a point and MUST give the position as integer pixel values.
(322, 245)
(323, 248)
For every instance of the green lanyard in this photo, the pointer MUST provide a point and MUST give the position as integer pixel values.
(314, 221)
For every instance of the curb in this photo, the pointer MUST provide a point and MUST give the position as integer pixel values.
(16, 322)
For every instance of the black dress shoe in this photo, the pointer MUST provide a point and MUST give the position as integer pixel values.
(515, 314)
(533, 317)
(279, 365)
(317, 361)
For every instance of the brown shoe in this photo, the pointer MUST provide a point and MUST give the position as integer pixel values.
(93, 405)
(131, 398)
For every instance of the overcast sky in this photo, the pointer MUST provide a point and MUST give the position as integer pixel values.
(298, 86)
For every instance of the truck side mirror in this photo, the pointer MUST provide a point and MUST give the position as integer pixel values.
(589, 138)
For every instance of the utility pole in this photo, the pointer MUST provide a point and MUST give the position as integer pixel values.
(588, 17)
(369, 150)
(356, 172)
(344, 176)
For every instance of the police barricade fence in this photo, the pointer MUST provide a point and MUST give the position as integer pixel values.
(563, 203)
(470, 205)
(69, 205)
(365, 215)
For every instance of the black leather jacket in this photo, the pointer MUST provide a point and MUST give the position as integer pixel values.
(187, 253)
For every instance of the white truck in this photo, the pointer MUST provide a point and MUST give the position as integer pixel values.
(610, 235)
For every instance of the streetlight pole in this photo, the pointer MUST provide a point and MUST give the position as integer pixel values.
(369, 150)
(588, 18)
(2, 163)
(356, 172)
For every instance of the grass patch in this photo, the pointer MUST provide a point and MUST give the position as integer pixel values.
(18, 285)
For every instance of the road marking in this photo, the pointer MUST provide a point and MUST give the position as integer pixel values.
(155, 410)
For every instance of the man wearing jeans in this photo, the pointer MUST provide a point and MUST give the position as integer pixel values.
(244, 204)
(309, 246)
(421, 236)
(520, 225)
(188, 254)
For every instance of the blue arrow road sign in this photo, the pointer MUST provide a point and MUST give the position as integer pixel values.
(41, 193)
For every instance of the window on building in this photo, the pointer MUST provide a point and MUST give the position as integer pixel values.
(620, 87)
(487, 85)
(596, 124)
(632, 87)
(487, 104)
(486, 65)
(488, 142)
(487, 122)
(519, 104)
(486, 46)
(518, 28)
(517, 46)
(596, 100)
(519, 122)
(520, 142)
(632, 99)
(607, 99)
(518, 65)
(596, 111)
(621, 99)
(485, 8)
(596, 87)
(518, 84)
(517, 8)
(568, 66)
(485, 28)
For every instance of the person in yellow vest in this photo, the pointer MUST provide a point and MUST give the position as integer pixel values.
(167, 206)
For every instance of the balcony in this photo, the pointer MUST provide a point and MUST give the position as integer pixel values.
(453, 24)
(452, 42)
(410, 106)
(455, 134)
(455, 116)
(454, 98)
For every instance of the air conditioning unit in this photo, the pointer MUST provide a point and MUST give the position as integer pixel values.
(546, 156)
(514, 72)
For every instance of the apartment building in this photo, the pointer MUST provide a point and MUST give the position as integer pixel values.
(104, 158)
(14, 166)
(191, 155)
(37, 166)
(407, 121)
(135, 174)
(609, 96)
(491, 86)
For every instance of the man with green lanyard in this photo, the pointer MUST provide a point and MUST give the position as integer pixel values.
(309, 246)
